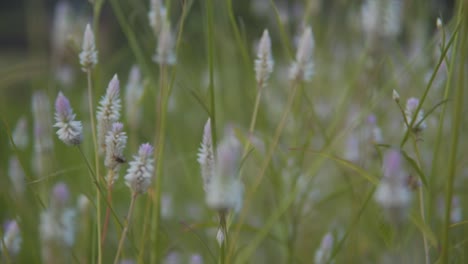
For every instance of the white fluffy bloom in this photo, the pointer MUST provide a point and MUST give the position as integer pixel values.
(419, 124)
(69, 130)
(323, 254)
(133, 96)
(11, 238)
(302, 68)
(20, 134)
(264, 62)
(156, 16)
(206, 155)
(89, 54)
(164, 52)
(225, 189)
(141, 169)
(115, 144)
(108, 112)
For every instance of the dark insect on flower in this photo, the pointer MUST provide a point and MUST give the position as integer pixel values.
(413, 182)
(120, 159)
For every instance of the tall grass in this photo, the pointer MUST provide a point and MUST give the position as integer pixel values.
(313, 164)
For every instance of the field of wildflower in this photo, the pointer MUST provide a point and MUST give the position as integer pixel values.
(223, 131)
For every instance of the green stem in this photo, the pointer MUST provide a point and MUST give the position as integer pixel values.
(210, 50)
(456, 124)
(125, 230)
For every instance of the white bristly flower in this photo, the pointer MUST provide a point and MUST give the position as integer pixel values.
(17, 176)
(89, 54)
(206, 156)
(393, 193)
(156, 15)
(115, 144)
(108, 112)
(225, 189)
(264, 62)
(164, 52)
(141, 169)
(302, 68)
(69, 130)
(411, 105)
(133, 96)
(20, 134)
(323, 254)
(11, 238)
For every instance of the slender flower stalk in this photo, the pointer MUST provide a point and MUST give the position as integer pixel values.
(108, 112)
(303, 67)
(138, 179)
(69, 130)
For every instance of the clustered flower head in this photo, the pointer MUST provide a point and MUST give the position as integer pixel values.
(57, 224)
(302, 68)
(108, 112)
(393, 192)
(164, 51)
(223, 188)
(11, 238)
(116, 140)
(264, 62)
(89, 54)
(69, 130)
(419, 124)
(141, 169)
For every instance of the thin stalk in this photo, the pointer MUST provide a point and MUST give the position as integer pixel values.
(254, 118)
(266, 163)
(225, 243)
(158, 154)
(96, 160)
(421, 204)
(210, 50)
(110, 177)
(127, 224)
(456, 124)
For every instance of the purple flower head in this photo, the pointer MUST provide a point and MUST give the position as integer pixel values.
(196, 259)
(412, 104)
(60, 194)
(145, 150)
(127, 261)
(372, 119)
(62, 106)
(392, 164)
(10, 225)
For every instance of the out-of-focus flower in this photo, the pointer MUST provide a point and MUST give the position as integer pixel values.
(264, 62)
(16, 174)
(323, 253)
(133, 96)
(156, 15)
(302, 68)
(11, 238)
(20, 134)
(89, 54)
(419, 124)
(164, 51)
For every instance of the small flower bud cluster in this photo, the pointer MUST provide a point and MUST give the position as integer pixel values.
(69, 130)
(89, 54)
(141, 169)
(264, 62)
(222, 185)
(302, 68)
(108, 112)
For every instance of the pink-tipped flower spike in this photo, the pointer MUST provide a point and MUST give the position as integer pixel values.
(115, 144)
(411, 106)
(141, 169)
(264, 62)
(108, 112)
(225, 189)
(133, 96)
(17, 176)
(164, 52)
(206, 156)
(69, 130)
(20, 134)
(393, 193)
(89, 54)
(323, 254)
(302, 68)
(11, 238)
